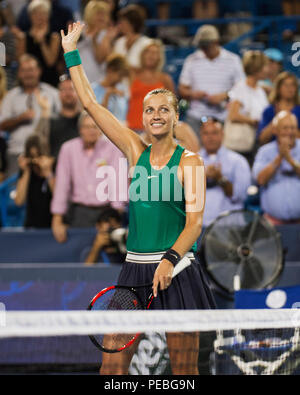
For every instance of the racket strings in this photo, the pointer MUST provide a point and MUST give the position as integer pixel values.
(116, 299)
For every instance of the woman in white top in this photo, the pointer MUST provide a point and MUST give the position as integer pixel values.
(95, 45)
(132, 42)
(247, 101)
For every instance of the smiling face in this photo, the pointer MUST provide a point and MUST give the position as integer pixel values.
(159, 115)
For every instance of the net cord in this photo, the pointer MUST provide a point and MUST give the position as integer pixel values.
(67, 323)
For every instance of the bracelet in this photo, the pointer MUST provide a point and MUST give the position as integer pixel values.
(72, 58)
(172, 256)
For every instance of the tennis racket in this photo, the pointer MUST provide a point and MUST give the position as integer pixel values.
(121, 297)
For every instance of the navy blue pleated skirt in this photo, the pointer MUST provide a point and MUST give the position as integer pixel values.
(189, 290)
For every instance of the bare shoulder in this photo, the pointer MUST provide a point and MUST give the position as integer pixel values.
(191, 165)
(190, 158)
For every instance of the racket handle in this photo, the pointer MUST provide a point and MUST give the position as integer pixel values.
(181, 265)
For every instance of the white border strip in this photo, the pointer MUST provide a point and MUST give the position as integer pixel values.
(151, 258)
(53, 323)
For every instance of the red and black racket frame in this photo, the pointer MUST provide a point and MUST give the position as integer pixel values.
(145, 307)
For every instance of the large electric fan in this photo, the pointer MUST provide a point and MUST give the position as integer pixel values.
(241, 250)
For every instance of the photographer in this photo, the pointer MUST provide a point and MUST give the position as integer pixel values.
(35, 184)
(107, 247)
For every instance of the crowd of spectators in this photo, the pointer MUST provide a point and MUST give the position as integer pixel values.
(243, 114)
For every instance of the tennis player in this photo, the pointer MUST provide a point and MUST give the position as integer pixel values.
(166, 222)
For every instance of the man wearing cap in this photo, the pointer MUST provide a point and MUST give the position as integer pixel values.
(207, 76)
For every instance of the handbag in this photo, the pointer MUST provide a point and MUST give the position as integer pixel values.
(239, 137)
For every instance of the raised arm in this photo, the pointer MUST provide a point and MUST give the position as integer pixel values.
(125, 139)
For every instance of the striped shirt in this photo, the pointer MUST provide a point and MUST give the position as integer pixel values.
(213, 77)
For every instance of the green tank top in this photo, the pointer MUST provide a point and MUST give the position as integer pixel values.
(156, 205)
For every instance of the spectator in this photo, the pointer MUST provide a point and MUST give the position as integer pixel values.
(104, 249)
(59, 128)
(20, 111)
(35, 184)
(95, 45)
(227, 172)
(15, 7)
(145, 79)
(277, 171)
(284, 97)
(131, 21)
(207, 76)
(60, 17)
(247, 102)
(290, 28)
(40, 42)
(274, 67)
(7, 37)
(110, 92)
(114, 6)
(201, 9)
(76, 180)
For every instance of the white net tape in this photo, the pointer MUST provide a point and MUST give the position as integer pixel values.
(59, 323)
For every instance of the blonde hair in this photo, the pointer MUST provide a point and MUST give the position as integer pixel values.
(92, 8)
(275, 93)
(254, 61)
(42, 4)
(166, 92)
(158, 43)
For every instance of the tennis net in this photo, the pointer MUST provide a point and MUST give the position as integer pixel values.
(235, 342)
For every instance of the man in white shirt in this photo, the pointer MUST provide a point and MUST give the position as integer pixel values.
(20, 111)
(207, 76)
